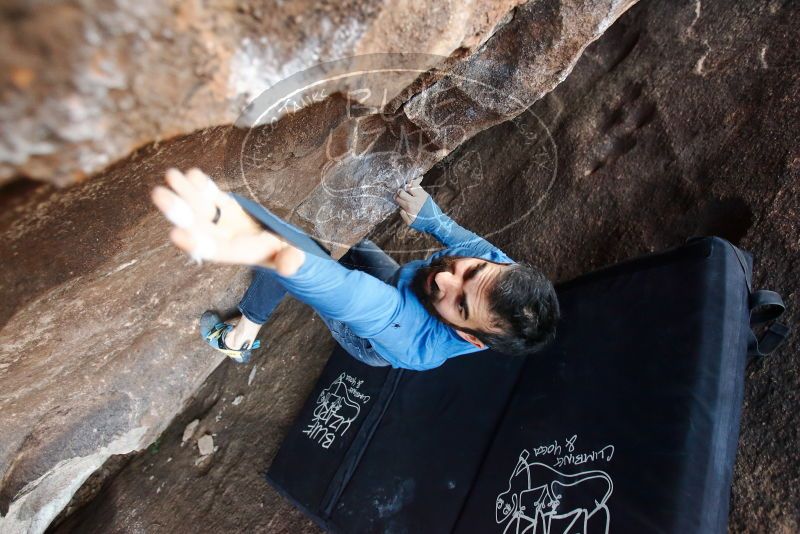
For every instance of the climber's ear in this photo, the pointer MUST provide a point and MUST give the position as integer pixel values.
(471, 338)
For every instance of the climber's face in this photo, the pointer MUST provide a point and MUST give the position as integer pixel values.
(456, 290)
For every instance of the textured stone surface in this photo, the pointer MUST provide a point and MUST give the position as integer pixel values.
(100, 348)
(509, 73)
(681, 120)
(92, 342)
(527, 56)
(89, 81)
(205, 445)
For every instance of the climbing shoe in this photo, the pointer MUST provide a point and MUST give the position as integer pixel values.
(214, 330)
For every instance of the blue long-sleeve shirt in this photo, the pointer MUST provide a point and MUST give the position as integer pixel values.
(391, 316)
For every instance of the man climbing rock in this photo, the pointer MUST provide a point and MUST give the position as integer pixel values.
(462, 299)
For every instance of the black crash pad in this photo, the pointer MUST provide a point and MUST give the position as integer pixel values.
(627, 423)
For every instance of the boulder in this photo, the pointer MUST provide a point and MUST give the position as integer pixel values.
(99, 338)
(649, 152)
(91, 81)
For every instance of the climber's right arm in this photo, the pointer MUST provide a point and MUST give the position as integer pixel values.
(366, 304)
(211, 225)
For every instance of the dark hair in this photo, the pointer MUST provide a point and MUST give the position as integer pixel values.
(525, 307)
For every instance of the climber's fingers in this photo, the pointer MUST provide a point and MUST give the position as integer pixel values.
(232, 216)
(200, 181)
(198, 191)
(405, 216)
(403, 197)
(208, 188)
(174, 207)
(187, 189)
(414, 185)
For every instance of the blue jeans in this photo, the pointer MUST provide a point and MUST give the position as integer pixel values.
(263, 296)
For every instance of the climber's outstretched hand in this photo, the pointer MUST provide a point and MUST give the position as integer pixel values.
(210, 225)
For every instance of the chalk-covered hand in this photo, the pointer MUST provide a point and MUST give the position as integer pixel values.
(210, 225)
(411, 199)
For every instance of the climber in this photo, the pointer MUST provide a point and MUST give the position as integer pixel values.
(462, 299)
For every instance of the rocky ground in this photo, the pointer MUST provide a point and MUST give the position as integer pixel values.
(680, 121)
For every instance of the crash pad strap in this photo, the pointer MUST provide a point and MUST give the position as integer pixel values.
(766, 306)
(770, 339)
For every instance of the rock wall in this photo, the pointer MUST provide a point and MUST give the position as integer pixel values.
(649, 150)
(90, 81)
(496, 83)
(100, 348)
